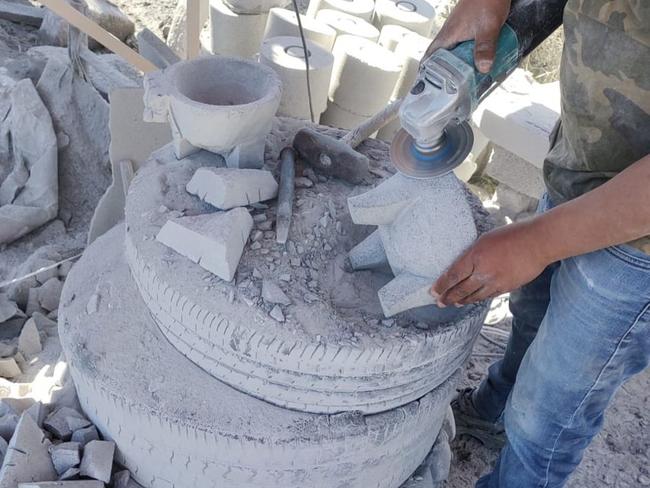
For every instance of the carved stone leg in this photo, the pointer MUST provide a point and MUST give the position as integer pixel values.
(404, 292)
(369, 253)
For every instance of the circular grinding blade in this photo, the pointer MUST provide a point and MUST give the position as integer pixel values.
(408, 160)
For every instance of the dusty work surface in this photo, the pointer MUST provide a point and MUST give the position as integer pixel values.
(296, 327)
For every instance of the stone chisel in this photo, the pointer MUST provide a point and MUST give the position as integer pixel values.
(285, 194)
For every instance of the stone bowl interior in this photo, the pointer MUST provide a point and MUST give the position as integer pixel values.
(223, 81)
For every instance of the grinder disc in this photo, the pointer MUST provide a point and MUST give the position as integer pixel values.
(409, 160)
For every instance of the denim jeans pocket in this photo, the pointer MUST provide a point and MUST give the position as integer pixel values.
(631, 256)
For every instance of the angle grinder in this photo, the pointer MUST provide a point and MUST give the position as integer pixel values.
(435, 137)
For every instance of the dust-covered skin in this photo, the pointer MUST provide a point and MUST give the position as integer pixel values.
(605, 125)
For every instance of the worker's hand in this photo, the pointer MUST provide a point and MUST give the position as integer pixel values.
(480, 20)
(498, 262)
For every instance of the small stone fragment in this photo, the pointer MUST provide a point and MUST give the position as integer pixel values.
(8, 308)
(93, 304)
(37, 412)
(121, 479)
(285, 277)
(255, 246)
(65, 456)
(57, 422)
(29, 341)
(266, 225)
(227, 188)
(277, 314)
(97, 462)
(84, 436)
(272, 293)
(257, 274)
(49, 294)
(9, 368)
(64, 484)
(7, 350)
(302, 182)
(257, 236)
(259, 218)
(77, 423)
(71, 474)
(213, 241)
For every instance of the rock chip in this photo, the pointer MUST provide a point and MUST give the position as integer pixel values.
(272, 293)
(97, 462)
(29, 341)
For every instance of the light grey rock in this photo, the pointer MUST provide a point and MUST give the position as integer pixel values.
(57, 422)
(519, 174)
(121, 479)
(29, 341)
(65, 456)
(97, 461)
(37, 412)
(86, 435)
(71, 474)
(272, 293)
(3, 448)
(227, 188)
(8, 308)
(23, 14)
(276, 314)
(7, 350)
(155, 50)
(302, 182)
(49, 294)
(15, 405)
(64, 484)
(27, 458)
(213, 241)
(9, 368)
(77, 423)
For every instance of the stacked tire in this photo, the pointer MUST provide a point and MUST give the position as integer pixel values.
(195, 394)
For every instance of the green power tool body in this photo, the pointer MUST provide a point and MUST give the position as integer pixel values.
(435, 136)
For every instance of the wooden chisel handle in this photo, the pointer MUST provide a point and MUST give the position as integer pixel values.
(373, 124)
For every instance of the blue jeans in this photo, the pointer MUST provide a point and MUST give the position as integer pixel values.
(580, 330)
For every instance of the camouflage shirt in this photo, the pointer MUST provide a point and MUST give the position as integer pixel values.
(605, 81)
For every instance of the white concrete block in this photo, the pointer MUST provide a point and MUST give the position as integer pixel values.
(391, 35)
(364, 75)
(97, 461)
(417, 15)
(410, 51)
(287, 58)
(359, 8)
(250, 7)
(520, 115)
(346, 24)
(283, 22)
(517, 173)
(29, 341)
(336, 116)
(235, 34)
(214, 241)
(227, 188)
(27, 458)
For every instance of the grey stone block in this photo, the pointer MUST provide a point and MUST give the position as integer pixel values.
(57, 422)
(517, 173)
(97, 461)
(65, 456)
(86, 435)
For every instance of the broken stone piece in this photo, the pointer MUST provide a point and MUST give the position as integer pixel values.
(8, 308)
(227, 188)
(37, 412)
(77, 423)
(27, 458)
(29, 341)
(49, 294)
(65, 456)
(57, 422)
(302, 182)
(213, 241)
(64, 484)
(121, 479)
(97, 462)
(272, 293)
(71, 474)
(276, 314)
(9, 368)
(86, 435)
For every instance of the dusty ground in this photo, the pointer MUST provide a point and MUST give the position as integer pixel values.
(618, 457)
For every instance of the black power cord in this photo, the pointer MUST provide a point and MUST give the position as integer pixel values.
(306, 54)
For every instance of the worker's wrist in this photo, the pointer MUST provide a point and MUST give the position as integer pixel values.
(539, 241)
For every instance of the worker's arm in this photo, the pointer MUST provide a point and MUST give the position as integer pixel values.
(509, 257)
(479, 20)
